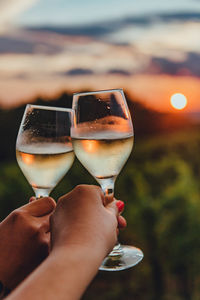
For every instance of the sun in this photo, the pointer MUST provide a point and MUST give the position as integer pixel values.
(178, 101)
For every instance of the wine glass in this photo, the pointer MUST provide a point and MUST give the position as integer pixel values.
(102, 138)
(43, 148)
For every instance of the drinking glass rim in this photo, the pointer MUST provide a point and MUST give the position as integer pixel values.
(98, 92)
(54, 108)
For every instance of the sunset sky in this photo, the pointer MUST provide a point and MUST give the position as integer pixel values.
(149, 48)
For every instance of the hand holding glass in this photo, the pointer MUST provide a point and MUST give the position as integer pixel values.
(102, 137)
(44, 148)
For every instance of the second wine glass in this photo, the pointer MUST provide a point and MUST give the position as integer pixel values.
(43, 147)
(102, 137)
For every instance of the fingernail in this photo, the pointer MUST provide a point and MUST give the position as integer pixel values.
(32, 199)
(120, 205)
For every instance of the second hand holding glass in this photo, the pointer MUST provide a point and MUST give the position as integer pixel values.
(102, 136)
(44, 148)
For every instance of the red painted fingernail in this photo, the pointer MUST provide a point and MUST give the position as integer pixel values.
(32, 199)
(120, 205)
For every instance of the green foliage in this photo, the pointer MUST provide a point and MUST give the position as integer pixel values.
(14, 190)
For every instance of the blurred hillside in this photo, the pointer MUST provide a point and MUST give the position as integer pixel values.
(147, 122)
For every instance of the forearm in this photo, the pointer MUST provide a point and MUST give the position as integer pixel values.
(64, 275)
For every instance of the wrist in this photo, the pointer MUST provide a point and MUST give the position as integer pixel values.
(95, 243)
(90, 250)
(65, 261)
(78, 254)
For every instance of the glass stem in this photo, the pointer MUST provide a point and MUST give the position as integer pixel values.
(107, 185)
(39, 192)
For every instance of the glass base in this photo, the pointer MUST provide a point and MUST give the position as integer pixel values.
(128, 257)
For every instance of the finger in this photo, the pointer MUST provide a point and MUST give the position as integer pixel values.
(113, 207)
(44, 223)
(45, 239)
(32, 199)
(40, 207)
(121, 222)
(82, 193)
(120, 206)
(48, 240)
(108, 199)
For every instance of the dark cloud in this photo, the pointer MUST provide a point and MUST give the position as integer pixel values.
(77, 71)
(84, 71)
(12, 45)
(162, 17)
(86, 30)
(18, 45)
(180, 16)
(190, 66)
(103, 28)
(119, 72)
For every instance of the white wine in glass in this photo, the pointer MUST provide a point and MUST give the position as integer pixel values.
(44, 149)
(102, 137)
